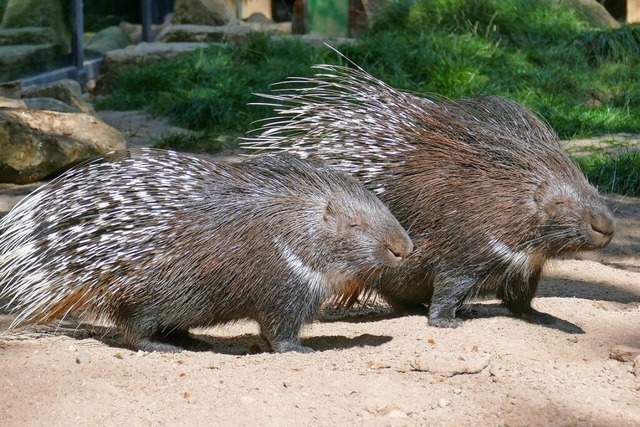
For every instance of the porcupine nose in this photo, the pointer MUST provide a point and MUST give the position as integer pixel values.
(601, 228)
(398, 248)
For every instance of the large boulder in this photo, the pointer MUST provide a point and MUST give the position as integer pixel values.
(110, 38)
(202, 12)
(35, 144)
(136, 55)
(594, 12)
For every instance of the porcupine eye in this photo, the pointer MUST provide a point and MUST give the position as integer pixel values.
(356, 222)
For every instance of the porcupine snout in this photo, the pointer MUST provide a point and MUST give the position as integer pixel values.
(398, 248)
(600, 228)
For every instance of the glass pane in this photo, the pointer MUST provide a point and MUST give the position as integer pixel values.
(35, 37)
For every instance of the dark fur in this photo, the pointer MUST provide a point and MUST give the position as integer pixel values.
(160, 242)
(481, 184)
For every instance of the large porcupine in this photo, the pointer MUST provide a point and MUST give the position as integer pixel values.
(159, 242)
(481, 184)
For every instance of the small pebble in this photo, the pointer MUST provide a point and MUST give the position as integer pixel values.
(397, 414)
(623, 353)
(449, 364)
(636, 366)
(443, 403)
(83, 357)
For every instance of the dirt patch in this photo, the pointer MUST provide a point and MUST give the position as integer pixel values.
(369, 366)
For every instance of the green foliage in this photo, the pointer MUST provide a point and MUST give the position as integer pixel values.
(616, 173)
(582, 80)
(210, 90)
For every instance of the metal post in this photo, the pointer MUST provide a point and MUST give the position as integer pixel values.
(77, 49)
(239, 9)
(146, 20)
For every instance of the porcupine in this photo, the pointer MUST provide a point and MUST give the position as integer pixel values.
(159, 242)
(481, 184)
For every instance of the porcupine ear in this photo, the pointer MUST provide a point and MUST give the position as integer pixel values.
(329, 210)
(540, 193)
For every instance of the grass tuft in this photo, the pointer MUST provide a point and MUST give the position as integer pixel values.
(613, 173)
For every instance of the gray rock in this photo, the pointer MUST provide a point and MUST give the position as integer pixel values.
(269, 27)
(202, 12)
(66, 90)
(203, 33)
(594, 12)
(35, 144)
(11, 89)
(136, 55)
(83, 357)
(134, 31)
(12, 103)
(449, 364)
(623, 353)
(397, 414)
(110, 38)
(316, 39)
(143, 52)
(49, 104)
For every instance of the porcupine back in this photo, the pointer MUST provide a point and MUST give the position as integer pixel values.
(481, 184)
(159, 242)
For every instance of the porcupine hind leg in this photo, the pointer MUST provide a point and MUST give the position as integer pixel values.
(153, 339)
(517, 297)
(183, 339)
(143, 331)
(405, 308)
(449, 294)
(171, 340)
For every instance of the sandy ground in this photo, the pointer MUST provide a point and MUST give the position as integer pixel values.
(369, 368)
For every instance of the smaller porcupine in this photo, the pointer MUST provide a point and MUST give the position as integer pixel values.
(481, 184)
(159, 242)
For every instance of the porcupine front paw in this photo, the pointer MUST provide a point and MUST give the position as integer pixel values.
(443, 315)
(284, 347)
(444, 322)
(147, 344)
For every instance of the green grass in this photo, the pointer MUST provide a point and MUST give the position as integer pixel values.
(209, 91)
(583, 80)
(619, 173)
